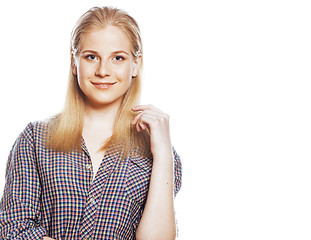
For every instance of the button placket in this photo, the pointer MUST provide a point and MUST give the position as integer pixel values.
(104, 167)
(88, 166)
(89, 215)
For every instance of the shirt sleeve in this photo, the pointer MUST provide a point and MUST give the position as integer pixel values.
(20, 203)
(177, 186)
(177, 172)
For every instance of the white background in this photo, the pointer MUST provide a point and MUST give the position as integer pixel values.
(233, 75)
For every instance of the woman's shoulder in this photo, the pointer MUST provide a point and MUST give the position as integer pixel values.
(35, 127)
(37, 130)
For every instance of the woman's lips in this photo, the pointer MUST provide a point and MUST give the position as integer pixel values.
(103, 85)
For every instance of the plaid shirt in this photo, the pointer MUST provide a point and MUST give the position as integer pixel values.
(53, 193)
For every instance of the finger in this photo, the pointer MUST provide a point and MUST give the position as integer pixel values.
(138, 128)
(136, 119)
(142, 125)
(137, 124)
(150, 113)
(143, 120)
(147, 120)
(153, 112)
(146, 107)
(151, 117)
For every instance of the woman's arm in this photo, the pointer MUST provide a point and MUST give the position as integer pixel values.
(158, 220)
(20, 204)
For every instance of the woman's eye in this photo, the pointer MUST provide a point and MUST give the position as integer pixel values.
(91, 57)
(119, 58)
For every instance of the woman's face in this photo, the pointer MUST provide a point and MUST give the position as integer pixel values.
(105, 66)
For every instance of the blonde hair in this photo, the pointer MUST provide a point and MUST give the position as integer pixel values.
(65, 130)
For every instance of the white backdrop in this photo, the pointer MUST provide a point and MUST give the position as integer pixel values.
(233, 75)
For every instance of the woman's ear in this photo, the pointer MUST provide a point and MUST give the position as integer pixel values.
(74, 66)
(137, 64)
(74, 69)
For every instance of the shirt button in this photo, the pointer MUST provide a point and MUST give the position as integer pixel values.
(92, 200)
(88, 166)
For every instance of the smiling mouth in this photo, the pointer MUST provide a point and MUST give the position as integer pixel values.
(103, 85)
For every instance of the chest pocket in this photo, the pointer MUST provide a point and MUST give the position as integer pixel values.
(138, 178)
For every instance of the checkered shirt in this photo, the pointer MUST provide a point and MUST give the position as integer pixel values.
(49, 193)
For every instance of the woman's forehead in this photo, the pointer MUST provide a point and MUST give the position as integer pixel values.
(108, 38)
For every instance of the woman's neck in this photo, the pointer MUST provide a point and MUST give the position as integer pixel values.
(101, 118)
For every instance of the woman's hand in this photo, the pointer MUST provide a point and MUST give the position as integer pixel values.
(158, 220)
(48, 238)
(157, 122)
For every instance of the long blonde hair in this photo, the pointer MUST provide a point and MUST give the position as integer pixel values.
(65, 130)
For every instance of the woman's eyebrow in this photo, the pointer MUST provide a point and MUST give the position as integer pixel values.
(114, 52)
(120, 51)
(89, 51)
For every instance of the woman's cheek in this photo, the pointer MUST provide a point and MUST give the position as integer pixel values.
(124, 73)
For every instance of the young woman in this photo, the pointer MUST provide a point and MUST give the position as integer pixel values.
(104, 168)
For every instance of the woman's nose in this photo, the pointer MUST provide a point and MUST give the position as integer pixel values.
(103, 69)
